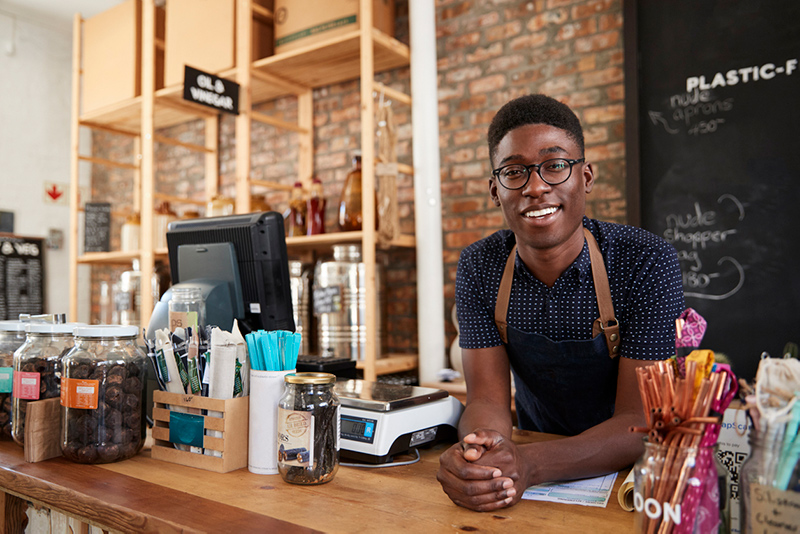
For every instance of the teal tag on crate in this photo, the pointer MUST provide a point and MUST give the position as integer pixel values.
(6, 379)
(186, 429)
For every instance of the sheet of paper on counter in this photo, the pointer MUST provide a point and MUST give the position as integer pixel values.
(586, 492)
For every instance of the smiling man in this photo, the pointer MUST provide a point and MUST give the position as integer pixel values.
(571, 305)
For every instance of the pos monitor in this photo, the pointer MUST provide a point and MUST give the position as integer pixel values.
(240, 265)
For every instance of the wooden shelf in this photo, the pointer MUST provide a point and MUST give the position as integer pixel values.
(327, 241)
(325, 63)
(393, 363)
(109, 258)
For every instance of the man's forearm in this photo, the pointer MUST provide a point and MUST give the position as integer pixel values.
(485, 415)
(602, 449)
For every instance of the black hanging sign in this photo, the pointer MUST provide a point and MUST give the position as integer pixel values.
(209, 90)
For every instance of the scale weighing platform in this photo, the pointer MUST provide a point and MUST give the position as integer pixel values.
(381, 420)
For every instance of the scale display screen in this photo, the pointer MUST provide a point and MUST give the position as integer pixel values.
(358, 428)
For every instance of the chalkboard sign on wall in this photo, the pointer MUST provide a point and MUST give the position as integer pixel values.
(21, 276)
(716, 147)
(97, 227)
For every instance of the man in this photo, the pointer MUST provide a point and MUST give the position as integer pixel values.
(571, 376)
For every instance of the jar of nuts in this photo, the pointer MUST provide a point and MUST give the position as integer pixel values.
(12, 336)
(37, 369)
(102, 395)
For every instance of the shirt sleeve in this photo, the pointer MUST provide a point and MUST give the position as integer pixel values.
(474, 306)
(655, 301)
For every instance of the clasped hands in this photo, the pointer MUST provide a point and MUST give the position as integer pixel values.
(485, 471)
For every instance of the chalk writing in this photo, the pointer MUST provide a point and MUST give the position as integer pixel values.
(696, 231)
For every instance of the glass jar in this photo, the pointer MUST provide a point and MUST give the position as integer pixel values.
(187, 308)
(129, 234)
(162, 216)
(37, 369)
(315, 217)
(680, 489)
(220, 205)
(12, 336)
(760, 468)
(308, 429)
(102, 395)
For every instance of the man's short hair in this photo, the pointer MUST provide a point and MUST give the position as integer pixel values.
(533, 109)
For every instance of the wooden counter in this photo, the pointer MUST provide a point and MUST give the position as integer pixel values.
(147, 495)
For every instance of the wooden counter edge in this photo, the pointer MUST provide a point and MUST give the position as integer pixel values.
(120, 502)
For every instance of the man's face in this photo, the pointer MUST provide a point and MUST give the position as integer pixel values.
(540, 215)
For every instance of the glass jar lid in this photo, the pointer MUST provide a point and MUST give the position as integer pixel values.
(310, 378)
(50, 328)
(106, 330)
(12, 326)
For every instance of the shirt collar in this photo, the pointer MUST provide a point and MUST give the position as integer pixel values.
(580, 268)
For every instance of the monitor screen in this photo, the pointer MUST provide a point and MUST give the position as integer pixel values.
(246, 253)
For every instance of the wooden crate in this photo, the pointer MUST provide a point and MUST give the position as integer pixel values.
(233, 425)
(202, 34)
(112, 56)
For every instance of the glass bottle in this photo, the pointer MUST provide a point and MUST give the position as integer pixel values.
(102, 395)
(187, 308)
(760, 468)
(316, 209)
(37, 369)
(308, 429)
(350, 210)
(162, 216)
(297, 207)
(12, 336)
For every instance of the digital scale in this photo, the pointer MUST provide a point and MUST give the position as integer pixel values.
(381, 420)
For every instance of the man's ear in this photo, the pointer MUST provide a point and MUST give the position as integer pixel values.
(493, 192)
(588, 177)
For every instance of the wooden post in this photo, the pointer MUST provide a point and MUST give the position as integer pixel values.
(244, 31)
(369, 234)
(74, 190)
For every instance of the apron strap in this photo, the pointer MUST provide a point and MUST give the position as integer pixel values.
(607, 323)
(504, 295)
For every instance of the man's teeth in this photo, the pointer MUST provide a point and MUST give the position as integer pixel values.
(541, 213)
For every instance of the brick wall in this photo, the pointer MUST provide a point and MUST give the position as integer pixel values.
(488, 53)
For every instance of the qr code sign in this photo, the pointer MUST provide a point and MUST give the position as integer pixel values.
(732, 461)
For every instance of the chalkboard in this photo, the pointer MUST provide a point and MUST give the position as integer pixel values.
(717, 111)
(21, 276)
(97, 227)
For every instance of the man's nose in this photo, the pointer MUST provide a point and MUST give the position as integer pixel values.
(536, 186)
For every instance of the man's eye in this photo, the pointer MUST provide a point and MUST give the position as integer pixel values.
(513, 173)
(557, 166)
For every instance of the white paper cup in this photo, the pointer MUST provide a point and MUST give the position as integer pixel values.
(266, 389)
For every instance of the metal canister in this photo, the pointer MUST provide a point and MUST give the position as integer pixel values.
(299, 281)
(340, 304)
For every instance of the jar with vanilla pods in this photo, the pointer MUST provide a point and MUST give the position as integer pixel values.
(308, 429)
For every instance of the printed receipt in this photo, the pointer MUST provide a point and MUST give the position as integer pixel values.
(586, 492)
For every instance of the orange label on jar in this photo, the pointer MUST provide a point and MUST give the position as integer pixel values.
(77, 393)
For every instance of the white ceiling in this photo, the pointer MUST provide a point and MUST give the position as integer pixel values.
(57, 11)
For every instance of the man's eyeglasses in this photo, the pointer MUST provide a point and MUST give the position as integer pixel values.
(552, 172)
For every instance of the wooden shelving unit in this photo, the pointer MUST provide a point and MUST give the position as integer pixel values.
(355, 55)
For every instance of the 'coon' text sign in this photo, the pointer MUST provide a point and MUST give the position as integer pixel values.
(210, 90)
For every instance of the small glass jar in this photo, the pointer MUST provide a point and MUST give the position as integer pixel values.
(760, 468)
(129, 233)
(297, 211)
(308, 429)
(682, 488)
(219, 206)
(187, 308)
(12, 337)
(102, 395)
(37, 369)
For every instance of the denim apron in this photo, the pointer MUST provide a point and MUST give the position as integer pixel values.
(563, 387)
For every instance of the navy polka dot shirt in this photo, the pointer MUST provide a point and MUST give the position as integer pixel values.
(643, 274)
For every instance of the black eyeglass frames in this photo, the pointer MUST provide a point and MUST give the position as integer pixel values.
(552, 172)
